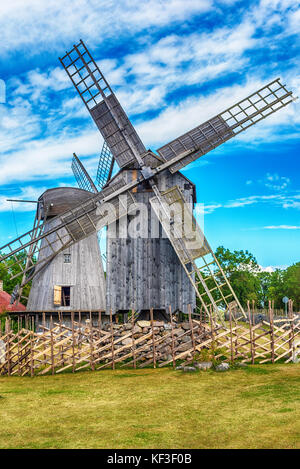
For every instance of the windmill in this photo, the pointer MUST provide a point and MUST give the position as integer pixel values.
(143, 170)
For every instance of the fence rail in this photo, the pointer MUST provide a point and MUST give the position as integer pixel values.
(59, 346)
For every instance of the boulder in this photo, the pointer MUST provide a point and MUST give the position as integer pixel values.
(186, 326)
(189, 369)
(186, 338)
(144, 323)
(127, 341)
(203, 365)
(184, 347)
(223, 367)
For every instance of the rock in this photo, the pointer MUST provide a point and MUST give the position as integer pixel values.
(189, 368)
(241, 365)
(167, 327)
(144, 323)
(203, 365)
(180, 367)
(184, 347)
(137, 328)
(186, 338)
(158, 323)
(222, 367)
(128, 326)
(185, 326)
(145, 330)
(178, 331)
(127, 341)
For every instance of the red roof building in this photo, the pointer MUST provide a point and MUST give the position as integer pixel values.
(5, 305)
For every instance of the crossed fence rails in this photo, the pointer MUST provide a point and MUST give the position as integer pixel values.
(60, 347)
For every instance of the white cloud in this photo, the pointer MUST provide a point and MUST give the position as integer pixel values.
(47, 158)
(34, 25)
(27, 193)
(282, 227)
(281, 200)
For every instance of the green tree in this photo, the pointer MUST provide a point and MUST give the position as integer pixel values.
(291, 283)
(241, 269)
(8, 269)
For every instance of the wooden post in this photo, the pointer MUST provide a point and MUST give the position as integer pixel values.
(132, 338)
(52, 344)
(271, 331)
(231, 338)
(191, 327)
(99, 323)
(153, 338)
(73, 342)
(172, 334)
(92, 343)
(253, 310)
(292, 332)
(8, 333)
(19, 357)
(31, 354)
(112, 340)
(250, 333)
(212, 334)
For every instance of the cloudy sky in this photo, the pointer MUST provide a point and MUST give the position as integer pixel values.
(173, 64)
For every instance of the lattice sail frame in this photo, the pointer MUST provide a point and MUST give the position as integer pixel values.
(239, 117)
(74, 225)
(105, 166)
(194, 252)
(82, 177)
(104, 107)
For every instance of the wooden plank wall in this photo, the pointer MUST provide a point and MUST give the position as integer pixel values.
(145, 273)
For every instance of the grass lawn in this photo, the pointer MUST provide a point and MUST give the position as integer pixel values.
(255, 407)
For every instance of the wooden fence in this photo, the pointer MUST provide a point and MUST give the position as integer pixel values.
(58, 347)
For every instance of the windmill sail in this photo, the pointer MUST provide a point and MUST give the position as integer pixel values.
(105, 167)
(81, 175)
(239, 117)
(72, 226)
(104, 107)
(195, 254)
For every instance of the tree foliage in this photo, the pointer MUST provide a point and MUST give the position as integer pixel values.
(8, 269)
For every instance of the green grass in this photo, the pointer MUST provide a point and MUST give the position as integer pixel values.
(253, 407)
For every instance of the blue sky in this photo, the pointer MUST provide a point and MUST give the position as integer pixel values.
(173, 64)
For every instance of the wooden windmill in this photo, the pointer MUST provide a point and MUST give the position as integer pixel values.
(156, 175)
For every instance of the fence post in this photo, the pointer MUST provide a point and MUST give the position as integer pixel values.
(92, 343)
(271, 330)
(291, 334)
(153, 338)
(212, 333)
(52, 344)
(8, 333)
(250, 333)
(172, 335)
(132, 338)
(112, 340)
(31, 354)
(231, 338)
(191, 327)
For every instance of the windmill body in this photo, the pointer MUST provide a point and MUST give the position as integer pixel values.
(74, 278)
(143, 270)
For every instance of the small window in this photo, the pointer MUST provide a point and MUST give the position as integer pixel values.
(65, 296)
(67, 258)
